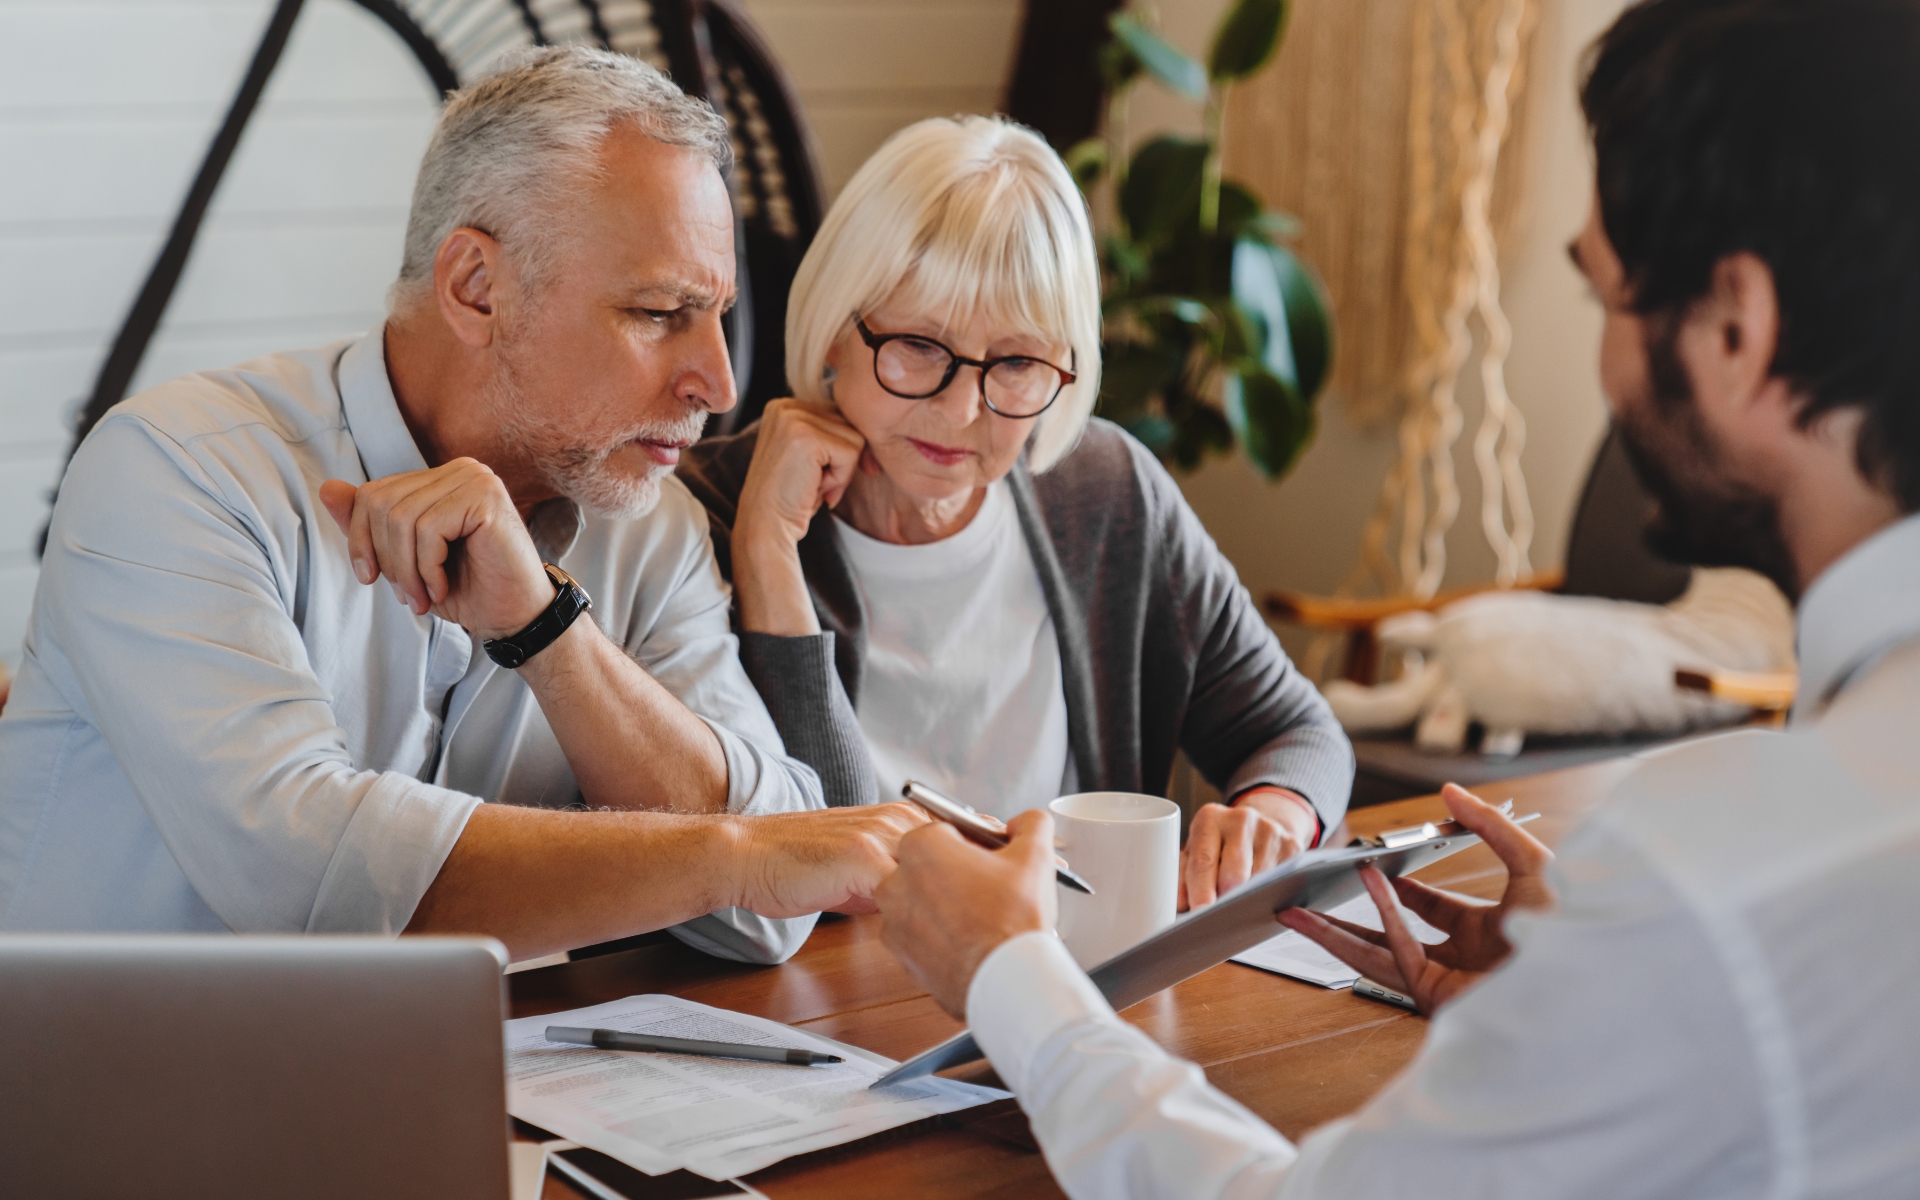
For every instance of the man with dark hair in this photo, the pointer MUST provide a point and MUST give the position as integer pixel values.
(1712, 1009)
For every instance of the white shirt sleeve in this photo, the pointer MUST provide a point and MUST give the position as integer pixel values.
(1556, 1078)
(1116, 1116)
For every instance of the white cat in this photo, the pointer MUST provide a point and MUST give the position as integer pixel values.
(1534, 662)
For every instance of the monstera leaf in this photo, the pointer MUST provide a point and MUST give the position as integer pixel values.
(1162, 188)
(1159, 58)
(1269, 417)
(1246, 39)
(1216, 332)
(1282, 297)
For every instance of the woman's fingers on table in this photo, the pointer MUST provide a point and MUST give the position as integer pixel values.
(1220, 853)
(1199, 861)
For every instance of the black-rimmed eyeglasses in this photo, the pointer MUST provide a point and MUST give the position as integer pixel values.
(913, 367)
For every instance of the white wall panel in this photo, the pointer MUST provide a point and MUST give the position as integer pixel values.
(16, 602)
(113, 167)
(138, 53)
(40, 391)
(106, 107)
(24, 486)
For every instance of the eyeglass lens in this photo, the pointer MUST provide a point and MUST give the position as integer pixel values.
(917, 368)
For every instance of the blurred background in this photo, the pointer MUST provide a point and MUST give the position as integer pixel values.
(108, 108)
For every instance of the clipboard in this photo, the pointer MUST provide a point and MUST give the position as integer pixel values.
(1240, 920)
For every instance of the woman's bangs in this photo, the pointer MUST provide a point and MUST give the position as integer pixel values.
(969, 265)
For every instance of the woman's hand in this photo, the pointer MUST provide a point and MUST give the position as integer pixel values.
(1228, 846)
(805, 457)
(1476, 932)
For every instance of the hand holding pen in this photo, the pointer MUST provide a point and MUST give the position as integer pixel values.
(978, 829)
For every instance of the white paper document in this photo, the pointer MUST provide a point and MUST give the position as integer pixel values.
(716, 1117)
(526, 1170)
(1292, 955)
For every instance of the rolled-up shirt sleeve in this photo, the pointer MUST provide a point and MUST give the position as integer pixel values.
(175, 636)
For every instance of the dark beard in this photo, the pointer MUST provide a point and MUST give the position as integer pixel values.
(1703, 518)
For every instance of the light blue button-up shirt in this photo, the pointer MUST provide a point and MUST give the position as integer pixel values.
(215, 726)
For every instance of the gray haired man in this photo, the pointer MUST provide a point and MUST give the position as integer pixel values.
(220, 723)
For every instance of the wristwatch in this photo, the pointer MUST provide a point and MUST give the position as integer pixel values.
(569, 601)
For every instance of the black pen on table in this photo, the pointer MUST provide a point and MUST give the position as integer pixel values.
(614, 1039)
(970, 823)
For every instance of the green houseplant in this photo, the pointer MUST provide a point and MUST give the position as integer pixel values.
(1203, 296)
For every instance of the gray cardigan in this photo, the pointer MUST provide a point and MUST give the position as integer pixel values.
(1161, 648)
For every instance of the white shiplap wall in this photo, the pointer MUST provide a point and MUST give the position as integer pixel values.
(106, 107)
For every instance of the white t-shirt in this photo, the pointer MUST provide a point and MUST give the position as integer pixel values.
(962, 688)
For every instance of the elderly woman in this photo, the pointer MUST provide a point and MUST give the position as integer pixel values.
(946, 571)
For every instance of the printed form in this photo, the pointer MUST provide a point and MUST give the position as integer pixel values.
(717, 1117)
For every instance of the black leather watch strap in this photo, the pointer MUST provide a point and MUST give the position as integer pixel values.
(569, 601)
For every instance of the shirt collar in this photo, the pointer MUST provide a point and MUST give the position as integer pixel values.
(387, 447)
(1859, 608)
(379, 432)
(555, 525)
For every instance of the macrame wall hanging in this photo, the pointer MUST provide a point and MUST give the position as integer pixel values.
(1391, 128)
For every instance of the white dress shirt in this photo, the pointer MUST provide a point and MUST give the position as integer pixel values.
(1722, 1006)
(962, 687)
(215, 726)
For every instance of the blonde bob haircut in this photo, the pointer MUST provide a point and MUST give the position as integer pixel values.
(955, 218)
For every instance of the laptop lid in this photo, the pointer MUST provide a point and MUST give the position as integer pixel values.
(219, 1066)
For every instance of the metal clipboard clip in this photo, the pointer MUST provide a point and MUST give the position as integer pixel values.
(1413, 835)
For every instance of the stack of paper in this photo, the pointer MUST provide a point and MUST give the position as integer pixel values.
(716, 1117)
(1292, 955)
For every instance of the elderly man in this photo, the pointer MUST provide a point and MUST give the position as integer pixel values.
(220, 722)
(1722, 1004)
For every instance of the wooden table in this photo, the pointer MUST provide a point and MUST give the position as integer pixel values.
(1296, 1054)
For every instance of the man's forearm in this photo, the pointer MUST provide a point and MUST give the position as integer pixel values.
(544, 881)
(631, 742)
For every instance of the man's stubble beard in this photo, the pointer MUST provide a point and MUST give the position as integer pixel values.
(1704, 518)
(580, 470)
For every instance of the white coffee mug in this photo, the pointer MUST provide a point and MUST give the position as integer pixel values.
(1127, 848)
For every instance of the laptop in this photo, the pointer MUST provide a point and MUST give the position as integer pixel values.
(221, 1066)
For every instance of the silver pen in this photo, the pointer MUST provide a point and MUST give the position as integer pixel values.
(969, 823)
